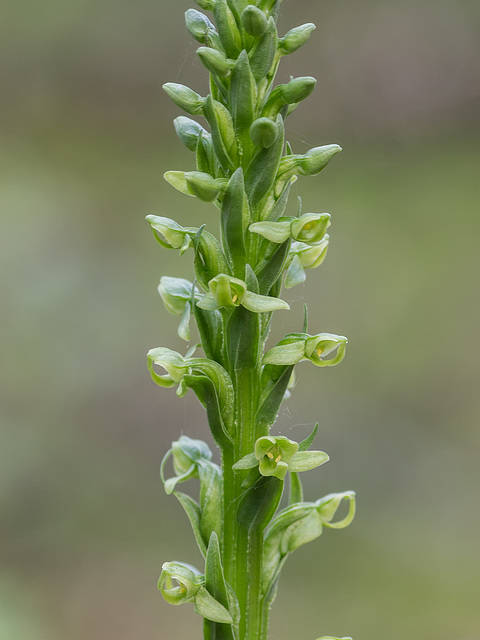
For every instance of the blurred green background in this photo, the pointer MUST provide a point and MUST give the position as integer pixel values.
(86, 136)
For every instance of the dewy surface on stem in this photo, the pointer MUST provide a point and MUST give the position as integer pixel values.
(244, 166)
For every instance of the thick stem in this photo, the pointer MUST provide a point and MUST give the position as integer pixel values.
(243, 545)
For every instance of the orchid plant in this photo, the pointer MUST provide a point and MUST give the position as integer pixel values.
(245, 168)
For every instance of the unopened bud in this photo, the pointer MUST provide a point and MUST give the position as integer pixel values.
(317, 159)
(298, 89)
(296, 37)
(263, 132)
(254, 21)
(184, 97)
(202, 185)
(214, 61)
(188, 131)
(198, 25)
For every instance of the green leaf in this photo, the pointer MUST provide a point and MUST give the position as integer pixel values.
(206, 606)
(307, 460)
(243, 93)
(271, 401)
(235, 216)
(192, 509)
(216, 586)
(259, 503)
(223, 134)
(270, 271)
(227, 28)
(243, 339)
(296, 489)
(209, 260)
(184, 326)
(307, 443)
(263, 55)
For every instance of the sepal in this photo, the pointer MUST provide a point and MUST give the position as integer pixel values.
(304, 256)
(176, 293)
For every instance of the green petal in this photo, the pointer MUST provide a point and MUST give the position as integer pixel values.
(307, 460)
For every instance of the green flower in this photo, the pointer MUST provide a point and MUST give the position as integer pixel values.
(296, 347)
(275, 455)
(229, 292)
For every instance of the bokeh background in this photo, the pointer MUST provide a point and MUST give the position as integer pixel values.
(86, 136)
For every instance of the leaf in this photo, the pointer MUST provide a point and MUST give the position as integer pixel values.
(259, 503)
(227, 28)
(268, 410)
(270, 271)
(192, 509)
(243, 90)
(184, 326)
(235, 215)
(263, 55)
(296, 489)
(208, 607)
(307, 443)
(243, 338)
(223, 134)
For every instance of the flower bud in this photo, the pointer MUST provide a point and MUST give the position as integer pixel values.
(179, 582)
(175, 293)
(298, 89)
(198, 25)
(202, 185)
(188, 452)
(254, 21)
(215, 61)
(296, 37)
(169, 234)
(188, 131)
(311, 227)
(317, 159)
(263, 132)
(184, 97)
